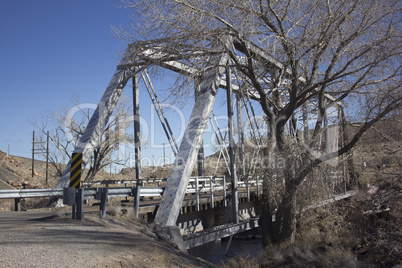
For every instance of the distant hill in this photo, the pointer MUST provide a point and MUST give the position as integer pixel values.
(17, 171)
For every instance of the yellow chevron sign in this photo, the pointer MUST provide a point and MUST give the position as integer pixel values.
(75, 172)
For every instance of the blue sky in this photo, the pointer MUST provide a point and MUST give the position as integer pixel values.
(50, 51)
(53, 50)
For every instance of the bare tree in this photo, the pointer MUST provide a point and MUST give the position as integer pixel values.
(329, 52)
(67, 127)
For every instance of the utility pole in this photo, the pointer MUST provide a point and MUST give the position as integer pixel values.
(47, 158)
(33, 153)
(42, 151)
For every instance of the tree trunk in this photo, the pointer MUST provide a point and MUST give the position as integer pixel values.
(283, 229)
(285, 218)
(266, 218)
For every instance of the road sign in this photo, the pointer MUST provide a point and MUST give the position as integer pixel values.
(75, 173)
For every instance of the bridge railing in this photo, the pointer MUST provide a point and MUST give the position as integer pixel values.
(197, 186)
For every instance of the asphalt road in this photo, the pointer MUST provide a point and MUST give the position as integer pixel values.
(9, 219)
(32, 239)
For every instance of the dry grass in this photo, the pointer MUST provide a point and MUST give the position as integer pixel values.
(323, 240)
(158, 255)
(242, 262)
(118, 211)
(6, 205)
(309, 254)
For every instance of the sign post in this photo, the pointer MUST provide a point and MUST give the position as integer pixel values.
(75, 182)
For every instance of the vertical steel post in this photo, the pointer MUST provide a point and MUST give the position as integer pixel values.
(235, 193)
(225, 201)
(17, 204)
(137, 143)
(103, 203)
(137, 198)
(211, 189)
(73, 210)
(164, 158)
(197, 195)
(240, 135)
(186, 158)
(200, 155)
(200, 160)
(242, 170)
(80, 204)
(247, 190)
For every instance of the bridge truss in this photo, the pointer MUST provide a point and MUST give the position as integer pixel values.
(217, 73)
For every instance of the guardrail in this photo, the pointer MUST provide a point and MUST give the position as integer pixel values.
(88, 193)
(197, 186)
(30, 193)
(114, 182)
(204, 185)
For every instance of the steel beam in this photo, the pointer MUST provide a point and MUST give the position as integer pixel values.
(219, 232)
(233, 176)
(240, 129)
(200, 156)
(137, 144)
(180, 175)
(137, 130)
(93, 133)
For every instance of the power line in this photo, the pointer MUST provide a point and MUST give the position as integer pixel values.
(40, 151)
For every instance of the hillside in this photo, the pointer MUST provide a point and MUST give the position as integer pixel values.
(15, 171)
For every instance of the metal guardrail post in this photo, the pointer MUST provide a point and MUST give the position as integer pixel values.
(103, 204)
(73, 211)
(137, 192)
(17, 204)
(80, 204)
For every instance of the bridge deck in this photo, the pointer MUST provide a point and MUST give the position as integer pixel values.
(189, 202)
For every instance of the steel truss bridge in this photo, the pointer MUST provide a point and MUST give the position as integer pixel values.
(218, 74)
